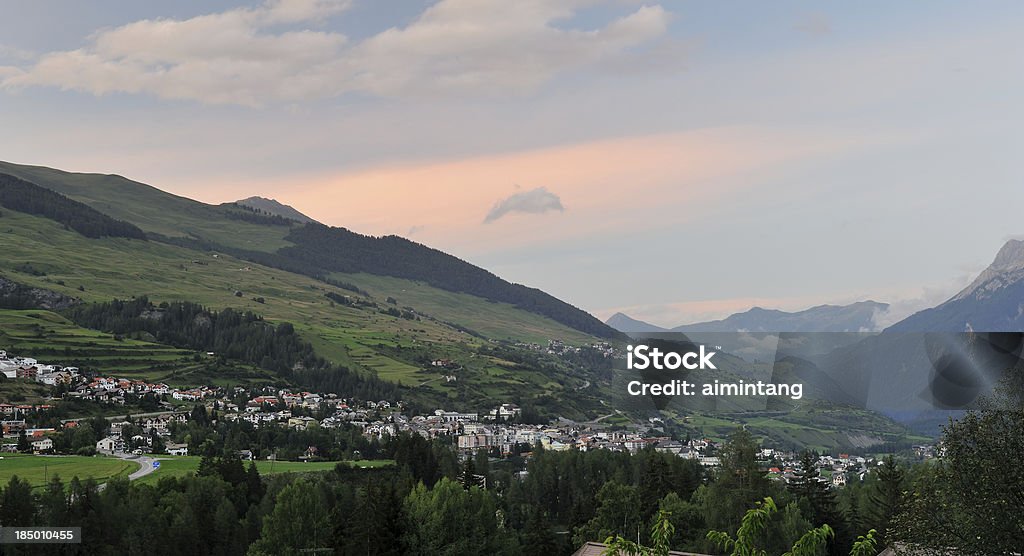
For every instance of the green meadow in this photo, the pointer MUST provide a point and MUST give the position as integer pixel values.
(38, 469)
(177, 466)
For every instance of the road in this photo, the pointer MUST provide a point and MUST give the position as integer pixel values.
(145, 466)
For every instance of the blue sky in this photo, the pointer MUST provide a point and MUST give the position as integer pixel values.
(674, 160)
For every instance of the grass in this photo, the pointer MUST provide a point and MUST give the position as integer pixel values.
(500, 321)
(179, 466)
(352, 336)
(153, 210)
(38, 469)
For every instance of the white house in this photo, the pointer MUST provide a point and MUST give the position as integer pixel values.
(177, 449)
(106, 445)
(42, 445)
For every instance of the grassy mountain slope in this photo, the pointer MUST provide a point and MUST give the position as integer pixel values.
(311, 249)
(153, 210)
(41, 253)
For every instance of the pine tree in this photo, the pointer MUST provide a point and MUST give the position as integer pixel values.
(886, 498)
(482, 466)
(808, 485)
(17, 508)
(254, 484)
(23, 445)
(537, 536)
(469, 473)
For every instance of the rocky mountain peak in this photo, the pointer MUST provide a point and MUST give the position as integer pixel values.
(1007, 268)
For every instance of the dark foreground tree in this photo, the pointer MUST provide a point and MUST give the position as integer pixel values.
(971, 501)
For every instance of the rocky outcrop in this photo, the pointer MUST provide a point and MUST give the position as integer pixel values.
(19, 296)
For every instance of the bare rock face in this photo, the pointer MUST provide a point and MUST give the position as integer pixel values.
(19, 296)
(1005, 270)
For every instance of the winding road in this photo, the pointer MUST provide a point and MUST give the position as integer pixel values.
(145, 466)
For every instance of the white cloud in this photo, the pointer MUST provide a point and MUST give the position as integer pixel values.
(534, 201)
(243, 56)
(926, 297)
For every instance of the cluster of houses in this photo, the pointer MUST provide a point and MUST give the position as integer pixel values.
(38, 437)
(120, 440)
(30, 369)
(113, 390)
(558, 347)
(495, 430)
(835, 470)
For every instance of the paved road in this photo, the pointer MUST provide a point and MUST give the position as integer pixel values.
(145, 466)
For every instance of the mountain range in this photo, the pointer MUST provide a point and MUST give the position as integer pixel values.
(856, 317)
(993, 302)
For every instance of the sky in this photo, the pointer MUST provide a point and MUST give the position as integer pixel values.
(676, 161)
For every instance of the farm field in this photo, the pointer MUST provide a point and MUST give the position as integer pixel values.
(177, 466)
(38, 469)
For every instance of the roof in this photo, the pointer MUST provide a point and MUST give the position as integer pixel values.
(597, 549)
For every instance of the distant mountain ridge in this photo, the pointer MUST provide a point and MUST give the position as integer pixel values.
(625, 323)
(274, 208)
(856, 317)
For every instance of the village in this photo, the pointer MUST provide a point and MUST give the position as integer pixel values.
(496, 431)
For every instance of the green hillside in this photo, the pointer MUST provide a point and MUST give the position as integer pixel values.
(154, 210)
(312, 249)
(41, 253)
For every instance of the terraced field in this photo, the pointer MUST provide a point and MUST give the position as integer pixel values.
(51, 338)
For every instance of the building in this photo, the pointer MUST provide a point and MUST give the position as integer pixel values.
(12, 427)
(177, 449)
(505, 411)
(474, 441)
(106, 445)
(42, 445)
